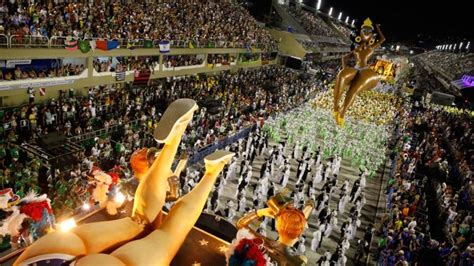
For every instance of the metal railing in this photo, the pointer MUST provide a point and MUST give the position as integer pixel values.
(4, 41)
(57, 42)
(102, 131)
(29, 41)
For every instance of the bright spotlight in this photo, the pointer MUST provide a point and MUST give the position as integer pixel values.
(86, 206)
(330, 12)
(347, 19)
(460, 46)
(340, 16)
(353, 21)
(119, 198)
(318, 6)
(67, 225)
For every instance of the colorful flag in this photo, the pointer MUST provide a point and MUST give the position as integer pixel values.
(164, 46)
(42, 91)
(130, 45)
(148, 44)
(101, 44)
(141, 77)
(120, 76)
(191, 45)
(112, 44)
(70, 44)
(84, 46)
(211, 44)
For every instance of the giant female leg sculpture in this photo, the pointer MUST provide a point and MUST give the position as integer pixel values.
(343, 81)
(85, 242)
(365, 80)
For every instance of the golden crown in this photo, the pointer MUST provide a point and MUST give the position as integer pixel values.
(368, 23)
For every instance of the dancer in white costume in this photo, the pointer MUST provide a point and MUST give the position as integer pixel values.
(232, 170)
(318, 175)
(315, 242)
(341, 205)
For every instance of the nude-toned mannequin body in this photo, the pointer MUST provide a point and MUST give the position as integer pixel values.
(357, 79)
(85, 242)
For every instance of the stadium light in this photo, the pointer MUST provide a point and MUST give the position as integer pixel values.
(318, 6)
(468, 45)
(353, 21)
(340, 16)
(455, 46)
(450, 47)
(460, 46)
(347, 19)
(330, 12)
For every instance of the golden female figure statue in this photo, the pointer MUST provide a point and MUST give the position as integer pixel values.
(122, 241)
(359, 78)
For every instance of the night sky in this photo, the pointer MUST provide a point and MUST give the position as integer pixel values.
(416, 22)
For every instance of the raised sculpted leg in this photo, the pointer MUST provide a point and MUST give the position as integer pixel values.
(159, 247)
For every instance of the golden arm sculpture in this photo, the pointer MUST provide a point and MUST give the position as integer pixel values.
(290, 225)
(359, 78)
(86, 242)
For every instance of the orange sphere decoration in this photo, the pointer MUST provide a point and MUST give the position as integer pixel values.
(290, 223)
(139, 162)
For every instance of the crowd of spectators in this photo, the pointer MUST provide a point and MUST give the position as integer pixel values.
(224, 59)
(317, 46)
(409, 229)
(268, 56)
(126, 63)
(313, 24)
(34, 73)
(229, 101)
(196, 20)
(171, 61)
(346, 31)
(452, 64)
(326, 70)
